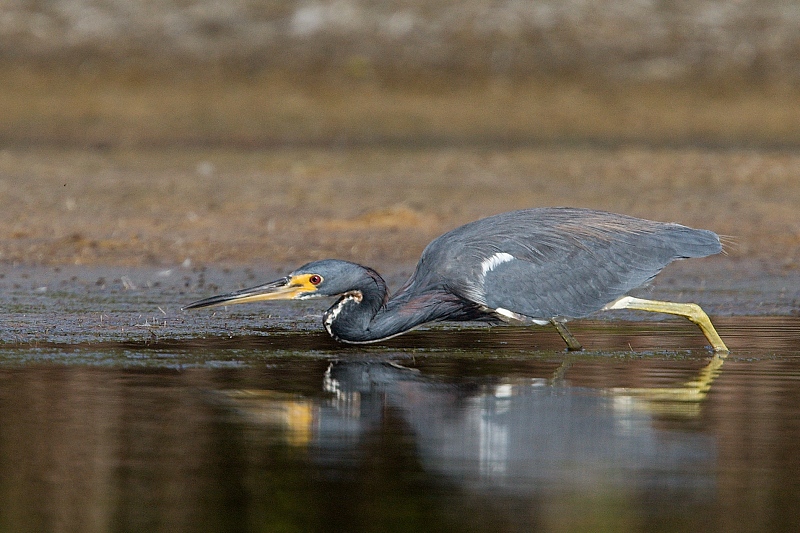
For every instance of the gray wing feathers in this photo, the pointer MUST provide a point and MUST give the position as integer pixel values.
(566, 262)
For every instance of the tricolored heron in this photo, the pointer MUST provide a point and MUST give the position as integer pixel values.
(534, 266)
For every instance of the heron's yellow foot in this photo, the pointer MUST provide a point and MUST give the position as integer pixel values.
(692, 312)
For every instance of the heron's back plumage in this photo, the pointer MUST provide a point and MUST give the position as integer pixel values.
(555, 262)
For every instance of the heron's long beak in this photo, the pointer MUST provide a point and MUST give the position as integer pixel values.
(287, 288)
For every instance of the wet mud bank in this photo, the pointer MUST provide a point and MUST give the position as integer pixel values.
(138, 310)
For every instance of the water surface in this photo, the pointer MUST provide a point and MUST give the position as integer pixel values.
(121, 414)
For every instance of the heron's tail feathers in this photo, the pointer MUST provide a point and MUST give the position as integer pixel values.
(691, 242)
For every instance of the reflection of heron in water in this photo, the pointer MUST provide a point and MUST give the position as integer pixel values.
(522, 432)
(535, 266)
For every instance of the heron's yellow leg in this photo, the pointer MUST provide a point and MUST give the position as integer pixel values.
(572, 343)
(693, 312)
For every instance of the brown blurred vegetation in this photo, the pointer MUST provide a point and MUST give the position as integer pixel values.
(245, 73)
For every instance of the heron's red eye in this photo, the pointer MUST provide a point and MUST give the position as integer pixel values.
(315, 279)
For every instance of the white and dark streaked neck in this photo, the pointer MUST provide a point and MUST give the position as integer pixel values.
(363, 315)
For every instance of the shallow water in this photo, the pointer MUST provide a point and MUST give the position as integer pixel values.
(120, 413)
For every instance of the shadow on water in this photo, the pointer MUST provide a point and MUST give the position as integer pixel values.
(445, 430)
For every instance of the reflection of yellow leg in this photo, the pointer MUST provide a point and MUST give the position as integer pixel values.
(684, 400)
(693, 312)
(572, 343)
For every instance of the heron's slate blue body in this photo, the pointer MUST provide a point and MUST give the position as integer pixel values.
(530, 266)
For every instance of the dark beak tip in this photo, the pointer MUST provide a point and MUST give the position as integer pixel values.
(223, 299)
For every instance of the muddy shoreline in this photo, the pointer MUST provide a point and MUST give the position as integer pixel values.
(378, 205)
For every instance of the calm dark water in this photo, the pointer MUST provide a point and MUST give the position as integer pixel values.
(288, 432)
(120, 413)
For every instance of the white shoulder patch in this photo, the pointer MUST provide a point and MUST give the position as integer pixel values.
(490, 263)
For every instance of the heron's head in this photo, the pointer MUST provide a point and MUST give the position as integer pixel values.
(329, 277)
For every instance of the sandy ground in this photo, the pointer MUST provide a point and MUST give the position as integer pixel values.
(379, 206)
